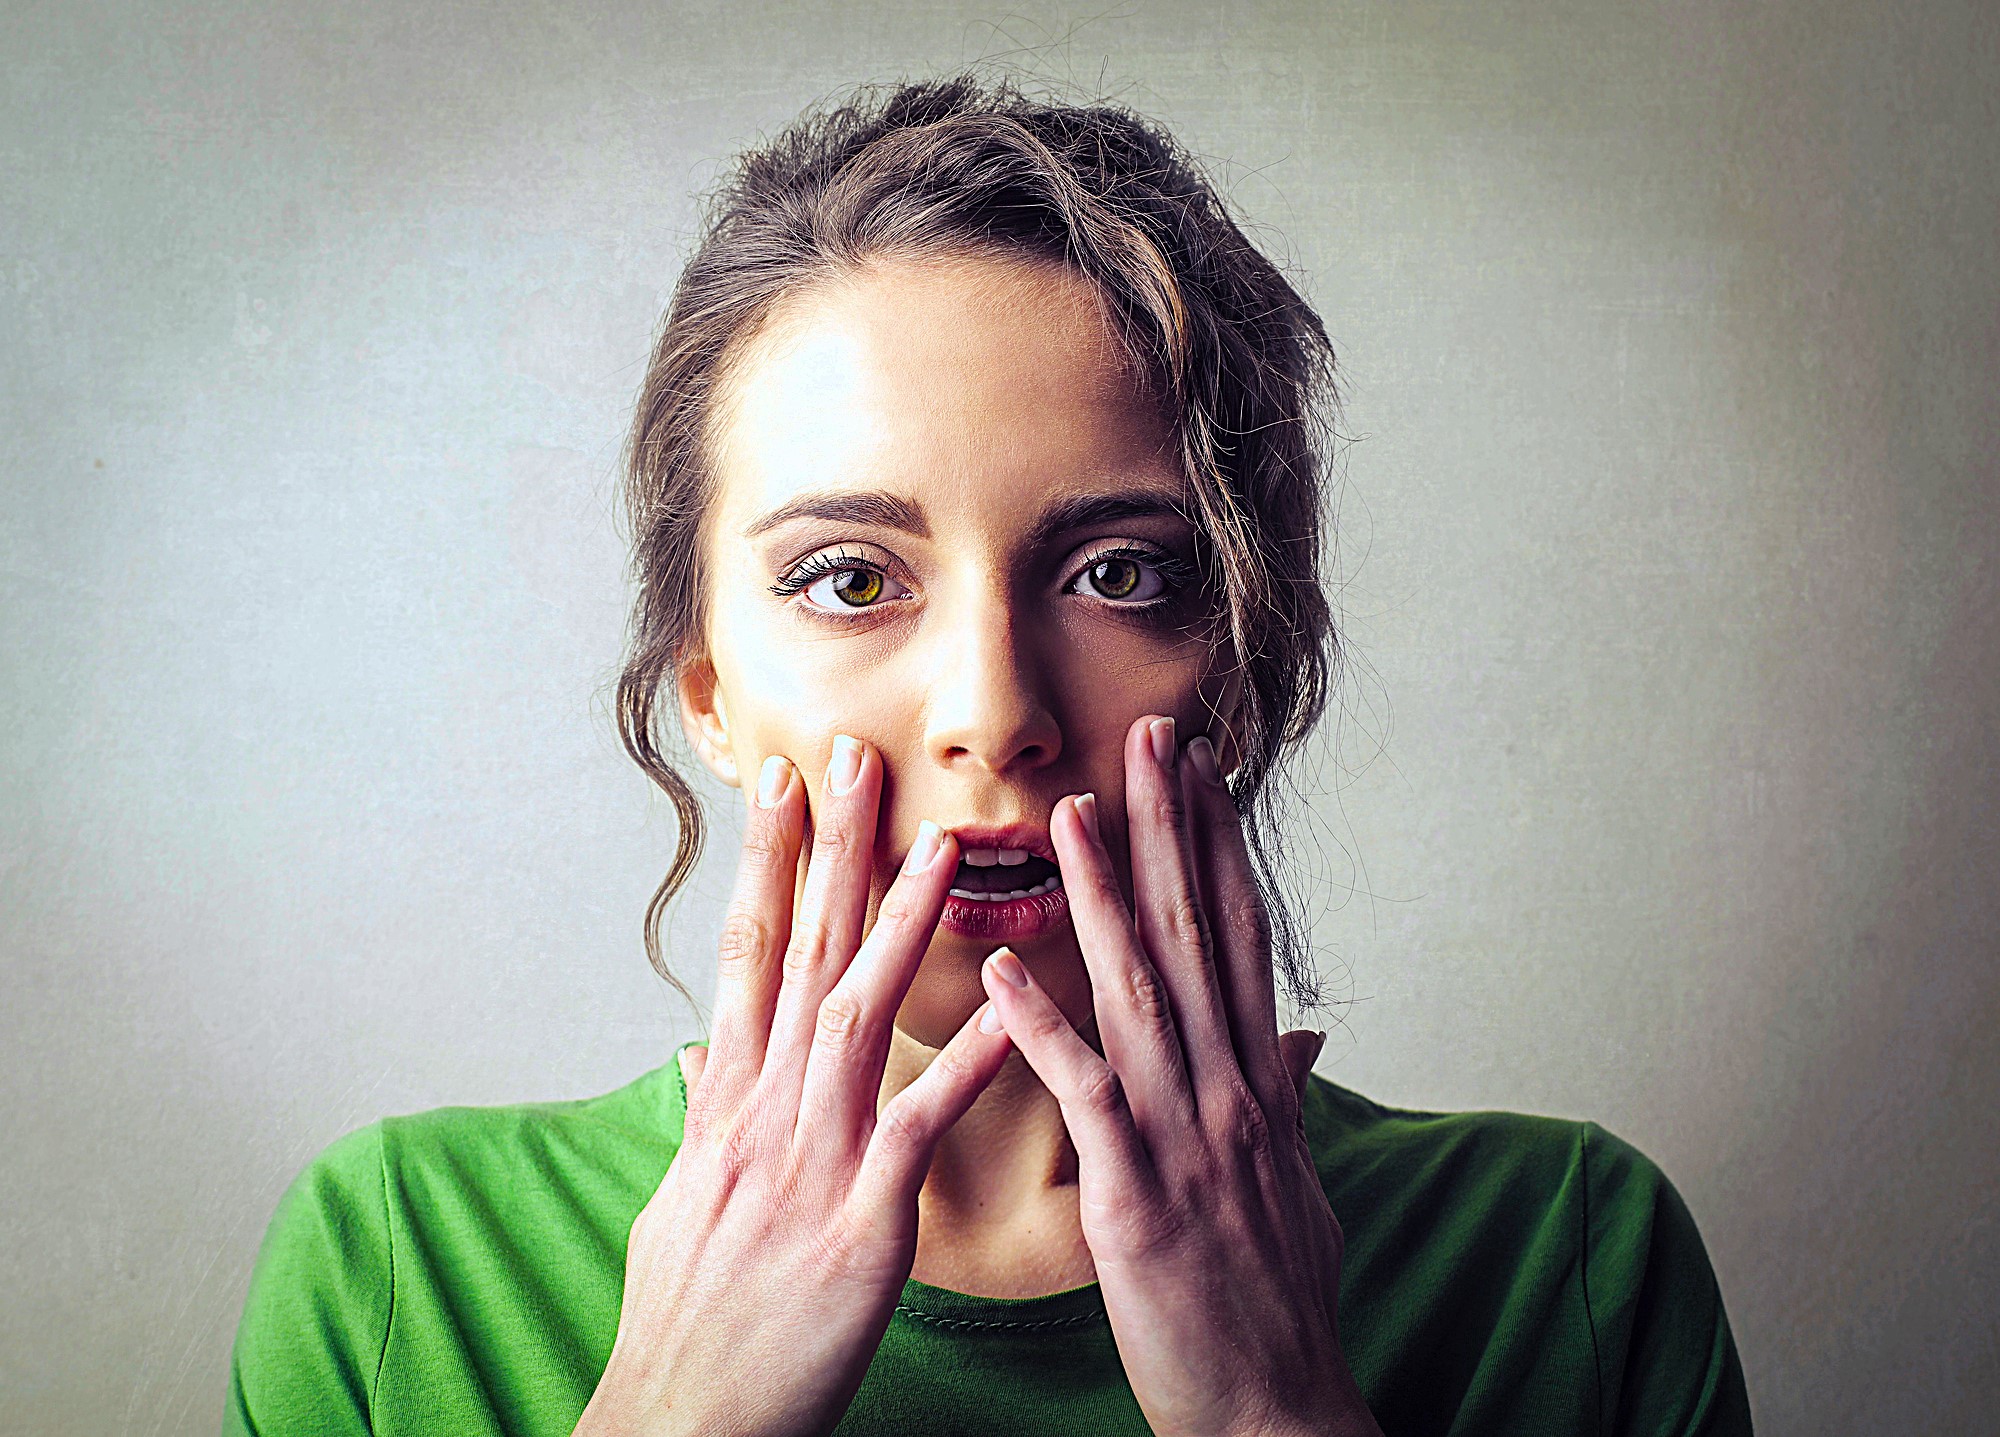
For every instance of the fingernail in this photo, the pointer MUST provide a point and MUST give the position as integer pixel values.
(1008, 967)
(925, 849)
(989, 1020)
(1162, 731)
(772, 780)
(1201, 753)
(1086, 809)
(1317, 1048)
(846, 766)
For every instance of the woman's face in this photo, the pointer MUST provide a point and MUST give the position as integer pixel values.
(946, 524)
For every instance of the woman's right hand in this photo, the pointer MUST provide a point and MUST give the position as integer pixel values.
(762, 1274)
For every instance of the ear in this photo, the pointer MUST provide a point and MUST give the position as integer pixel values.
(705, 718)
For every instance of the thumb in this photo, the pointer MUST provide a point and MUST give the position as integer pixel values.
(694, 1060)
(1300, 1049)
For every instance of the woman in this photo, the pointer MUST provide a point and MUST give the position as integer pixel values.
(975, 491)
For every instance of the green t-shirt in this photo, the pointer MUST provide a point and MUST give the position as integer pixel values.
(460, 1271)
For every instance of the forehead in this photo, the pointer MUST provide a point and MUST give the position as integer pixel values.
(972, 384)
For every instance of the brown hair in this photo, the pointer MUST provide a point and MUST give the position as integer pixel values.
(1240, 361)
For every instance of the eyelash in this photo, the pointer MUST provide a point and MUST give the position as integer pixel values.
(1176, 573)
(818, 566)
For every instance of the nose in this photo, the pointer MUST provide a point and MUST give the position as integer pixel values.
(988, 702)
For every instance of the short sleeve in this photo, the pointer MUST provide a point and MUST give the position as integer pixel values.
(309, 1346)
(1667, 1362)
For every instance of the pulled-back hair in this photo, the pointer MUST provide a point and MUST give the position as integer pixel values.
(1238, 360)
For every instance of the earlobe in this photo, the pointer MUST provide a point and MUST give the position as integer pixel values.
(705, 718)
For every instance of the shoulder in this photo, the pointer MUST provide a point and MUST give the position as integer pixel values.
(1493, 1154)
(315, 1322)
(1619, 1204)
(497, 1150)
(1558, 1223)
(505, 1145)
(426, 1199)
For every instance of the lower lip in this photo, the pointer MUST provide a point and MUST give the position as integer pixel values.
(1010, 920)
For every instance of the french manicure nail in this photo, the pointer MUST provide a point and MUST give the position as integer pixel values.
(925, 849)
(1201, 753)
(846, 766)
(1086, 809)
(1162, 731)
(989, 1019)
(772, 780)
(1008, 967)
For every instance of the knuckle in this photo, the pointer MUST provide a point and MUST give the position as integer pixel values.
(1286, 1111)
(843, 1020)
(900, 1129)
(1244, 1127)
(956, 1064)
(1255, 921)
(698, 1122)
(765, 845)
(1100, 1091)
(898, 910)
(1164, 806)
(833, 840)
(745, 940)
(738, 1148)
(1186, 925)
(1047, 1022)
(807, 954)
(1149, 994)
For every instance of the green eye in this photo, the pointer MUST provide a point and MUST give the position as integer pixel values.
(1115, 578)
(857, 587)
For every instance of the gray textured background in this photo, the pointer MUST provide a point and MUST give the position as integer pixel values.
(1670, 332)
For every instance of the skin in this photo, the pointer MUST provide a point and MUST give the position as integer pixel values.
(985, 393)
(1134, 1117)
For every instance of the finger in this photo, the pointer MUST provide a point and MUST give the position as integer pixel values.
(843, 1079)
(1172, 924)
(1300, 1049)
(906, 1135)
(1135, 1021)
(1243, 928)
(1087, 1089)
(826, 930)
(755, 929)
(693, 1060)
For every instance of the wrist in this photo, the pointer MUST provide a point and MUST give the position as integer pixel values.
(1343, 1413)
(1347, 1424)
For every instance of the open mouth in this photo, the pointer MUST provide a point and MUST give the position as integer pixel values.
(995, 875)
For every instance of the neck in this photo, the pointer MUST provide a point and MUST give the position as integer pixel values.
(1008, 1158)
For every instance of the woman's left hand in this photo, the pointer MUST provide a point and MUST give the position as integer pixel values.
(1217, 1252)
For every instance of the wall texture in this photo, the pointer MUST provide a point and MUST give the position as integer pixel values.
(1665, 791)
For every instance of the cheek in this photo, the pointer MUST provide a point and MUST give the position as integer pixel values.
(1109, 679)
(791, 692)
(1110, 686)
(786, 708)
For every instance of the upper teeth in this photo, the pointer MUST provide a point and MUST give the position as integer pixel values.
(987, 857)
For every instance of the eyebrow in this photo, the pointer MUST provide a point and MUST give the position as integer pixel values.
(882, 511)
(1090, 510)
(889, 511)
